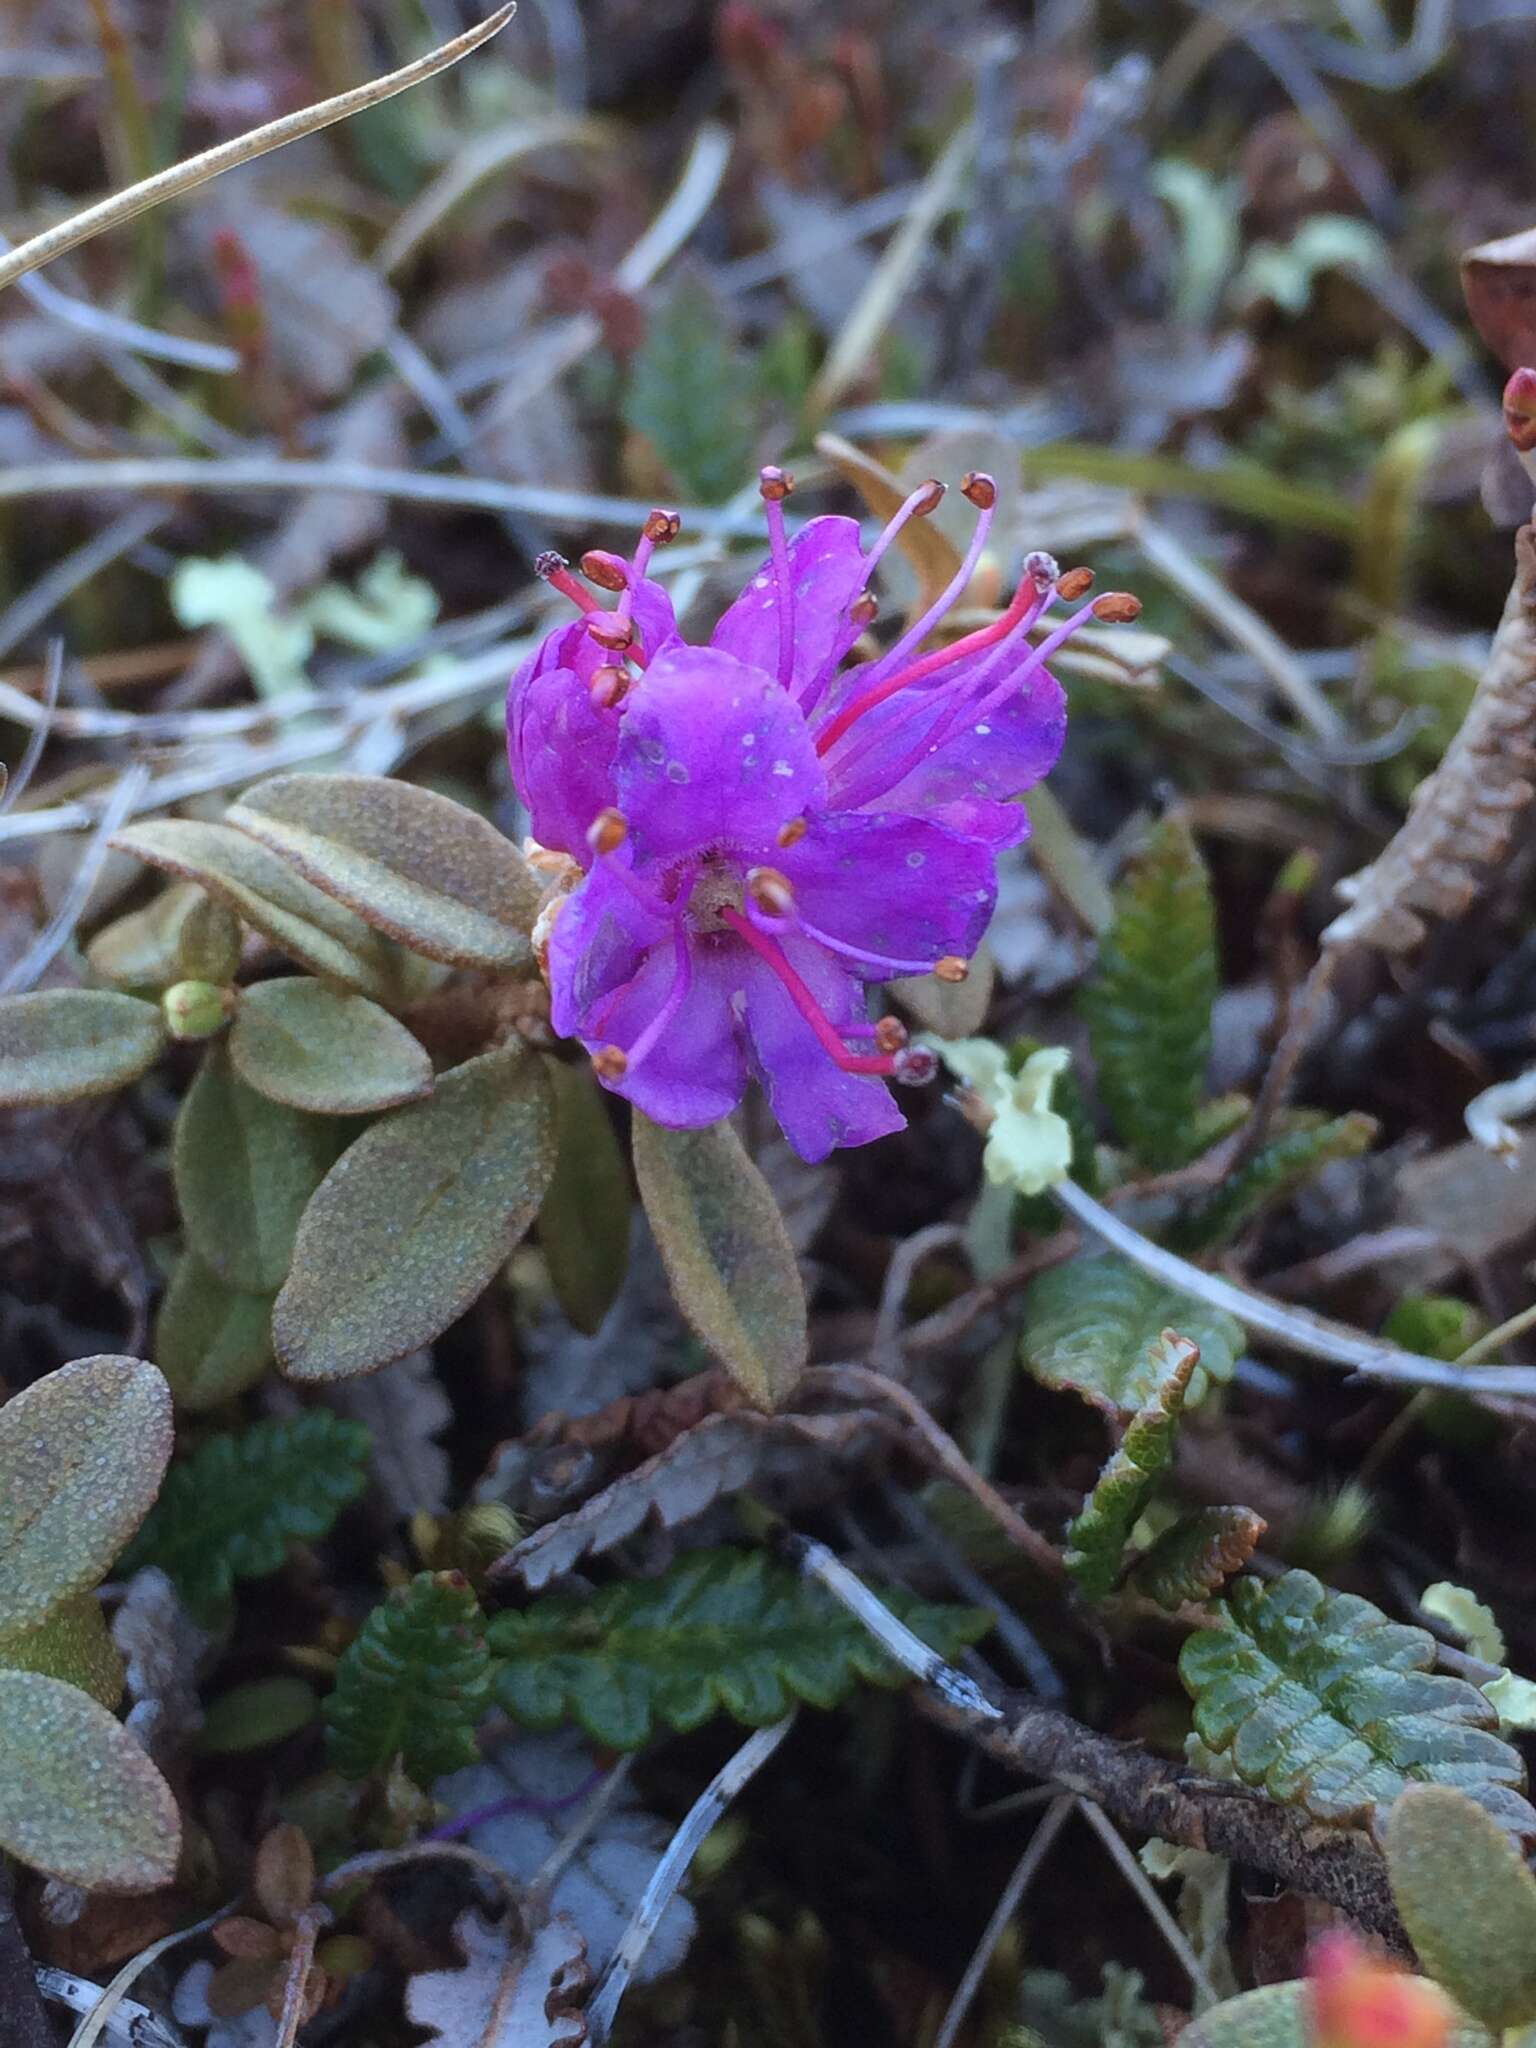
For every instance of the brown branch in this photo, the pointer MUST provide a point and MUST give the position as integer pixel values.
(1160, 1798)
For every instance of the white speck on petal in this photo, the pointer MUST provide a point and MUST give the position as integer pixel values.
(916, 859)
(782, 768)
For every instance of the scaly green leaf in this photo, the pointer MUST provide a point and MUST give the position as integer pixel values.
(140, 950)
(414, 1220)
(72, 1644)
(1101, 1529)
(1468, 1902)
(62, 1044)
(415, 865)
(230, 1511)
(79, 1799)
(1329, 1705)
(723, 1631)
(212, 1341)
(1196, 1556)
(1089, 1322)
(415, 1684)
(727, 1253)
(1273, 1175)
(317, 1049)
(245, 1168)
(584, 1217)
(1148, 1004)
(82, 1452)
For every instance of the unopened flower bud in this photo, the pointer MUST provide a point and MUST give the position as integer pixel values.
(791, 834)
(865, 608)
(951, 968)
(1043, 570)
(771, 892)
(661, 527)
(1117, 608)
(916, 1066)
(932, 498)
(611, 630)
(195, 1009)
(1520, 410)
(1074, 584)
(609, 1063)
(609, 686)
(607, 571)
(607, 831)
(980, 488)
(891, 1034)
(774, 483)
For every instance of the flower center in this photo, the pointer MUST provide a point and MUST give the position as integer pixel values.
(719, 888)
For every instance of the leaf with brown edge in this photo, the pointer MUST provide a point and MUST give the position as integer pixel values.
(301, 921)
(82, 1454)
(414, 1220)
(413, 864)
(244, 1169)
(727, 1253)
(314, 1048)
(584, 1219)
(1191, 1560)
(79, 1799)
(61, 1044)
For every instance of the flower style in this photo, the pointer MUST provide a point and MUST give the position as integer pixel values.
(759, 833)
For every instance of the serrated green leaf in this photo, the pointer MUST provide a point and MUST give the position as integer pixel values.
(301, 921)
(212, 1341)
(1329, 1705)
(416, 866)
(1273, 1175)
(244, 1169)
(1100, 1531)
(62, 1044)
(140, 950)
(584, 1217)
(1148, 1003)
(81, 1457)
(230, 1511)
(72, 1644)
(414, 1685)
(1276, 2016)
(414, 1220)
(79, 1799)
(1467, 1900)
(314, 1048)
(690, 393)
(256, 1715)
(1088, 1324)
(1193, 1558)
(723, 1631)
(727, 1253)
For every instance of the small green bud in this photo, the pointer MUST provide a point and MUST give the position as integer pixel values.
(208, 944)
(195, 1009)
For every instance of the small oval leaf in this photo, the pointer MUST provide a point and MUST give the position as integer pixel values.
(256, 1715)
(727, 1253)
(1468, 1901)
(212, 1341)
(244, 1168)
(141, 950)
(311, 1047)
(82, 1454)
(1276, 2016)
(59, 1044)
(301, 921)
(415, 1218)
(79, 1799)
(72, 1644)
(584, 1220)
(415, 865)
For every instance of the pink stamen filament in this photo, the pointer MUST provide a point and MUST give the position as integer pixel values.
(1025, 606)
(957, 585)
(883, 963)
(960, 690)
(778, 549)
(908, 510)
(682, 981)
(563, 581)
(772, 954)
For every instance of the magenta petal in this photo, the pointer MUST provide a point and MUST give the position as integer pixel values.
(562, 753)
(711, 753)
(897, 886)
(818, 1105)
(826, 573)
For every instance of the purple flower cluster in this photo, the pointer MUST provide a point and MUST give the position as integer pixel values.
(759, 832)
